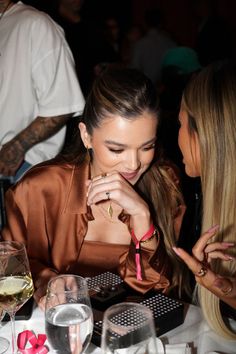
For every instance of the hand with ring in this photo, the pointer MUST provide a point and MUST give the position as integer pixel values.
(199, 264)
(113, 187)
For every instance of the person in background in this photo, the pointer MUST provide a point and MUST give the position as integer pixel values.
(149, 50)
(39, 91)
(133, 33)
(112, 34)
(87, 38)
(207, 139)
(109, 203)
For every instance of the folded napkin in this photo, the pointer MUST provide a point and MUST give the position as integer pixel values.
(182, 348)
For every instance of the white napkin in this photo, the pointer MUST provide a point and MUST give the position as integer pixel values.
(182, 348)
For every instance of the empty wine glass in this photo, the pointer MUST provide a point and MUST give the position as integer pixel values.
(16, 285)
(128, 328)
(69, 317)
(4, 343)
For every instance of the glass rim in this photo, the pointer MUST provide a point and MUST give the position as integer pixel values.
(20, 246)
(126, 306)
(66, 276)
(112, 310)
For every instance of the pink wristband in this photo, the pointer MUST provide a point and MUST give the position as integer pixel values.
(145, 237)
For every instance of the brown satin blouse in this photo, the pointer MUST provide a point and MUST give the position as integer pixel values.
(98, 257)
(47, 211)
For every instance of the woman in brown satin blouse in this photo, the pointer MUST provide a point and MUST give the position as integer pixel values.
(85, 213)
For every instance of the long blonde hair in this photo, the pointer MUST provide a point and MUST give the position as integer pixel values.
(210, 101)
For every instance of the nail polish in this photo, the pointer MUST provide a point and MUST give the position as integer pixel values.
(175, 249)
(213, 228)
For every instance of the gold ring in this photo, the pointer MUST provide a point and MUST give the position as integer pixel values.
(201, 273)
(228, 290)
(108, 195)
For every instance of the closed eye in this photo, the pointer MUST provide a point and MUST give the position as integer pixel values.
(116, 151)
(150, 147)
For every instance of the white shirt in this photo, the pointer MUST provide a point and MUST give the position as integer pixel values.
(37, 77)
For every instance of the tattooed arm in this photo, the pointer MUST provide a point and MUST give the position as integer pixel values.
(12, 153)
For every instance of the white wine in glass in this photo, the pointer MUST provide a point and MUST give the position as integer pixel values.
(16, 285)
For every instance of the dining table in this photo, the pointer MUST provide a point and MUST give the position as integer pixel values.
(194, 331)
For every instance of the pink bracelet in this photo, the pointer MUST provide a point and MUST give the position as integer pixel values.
(148, 235)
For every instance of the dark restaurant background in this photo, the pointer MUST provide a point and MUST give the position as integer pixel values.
(178, 16)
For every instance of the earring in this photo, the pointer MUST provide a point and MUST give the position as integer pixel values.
(87, 156)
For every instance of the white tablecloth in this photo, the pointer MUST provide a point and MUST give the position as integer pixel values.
(194, 331)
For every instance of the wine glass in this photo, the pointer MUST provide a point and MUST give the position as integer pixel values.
(16, 285)
(4, 343)
(128, 328)
(69, 316)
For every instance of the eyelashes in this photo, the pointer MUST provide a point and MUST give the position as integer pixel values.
(150, 147)
(116, 151)
(119, 151)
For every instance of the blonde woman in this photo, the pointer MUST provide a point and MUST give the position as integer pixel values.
(207, 139)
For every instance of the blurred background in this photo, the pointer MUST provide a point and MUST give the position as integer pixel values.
(180, 17)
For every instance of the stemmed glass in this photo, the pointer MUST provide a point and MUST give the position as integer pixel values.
(16, 285)
(69, 317)
(128, 328)
(4, 343)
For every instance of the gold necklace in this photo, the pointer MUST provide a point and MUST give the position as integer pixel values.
(106, 212)
(4, 10)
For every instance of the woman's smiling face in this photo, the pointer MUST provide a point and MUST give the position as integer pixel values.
(122, 145)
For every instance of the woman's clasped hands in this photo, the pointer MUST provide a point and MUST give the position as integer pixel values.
(113, 187)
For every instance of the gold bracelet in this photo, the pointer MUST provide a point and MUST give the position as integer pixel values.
(155, 233)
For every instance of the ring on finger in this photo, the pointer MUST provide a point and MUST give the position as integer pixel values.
(108, 195)
(228, 290)
(202, 272)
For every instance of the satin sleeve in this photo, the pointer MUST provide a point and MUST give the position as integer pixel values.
(156, 270)
(26, 224)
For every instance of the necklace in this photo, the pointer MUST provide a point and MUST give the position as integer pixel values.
(4, 10)
(105, 214)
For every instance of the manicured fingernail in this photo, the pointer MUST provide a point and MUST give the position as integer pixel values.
(213, 228)
(175, 249)
(229, 258)
(228, 244)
